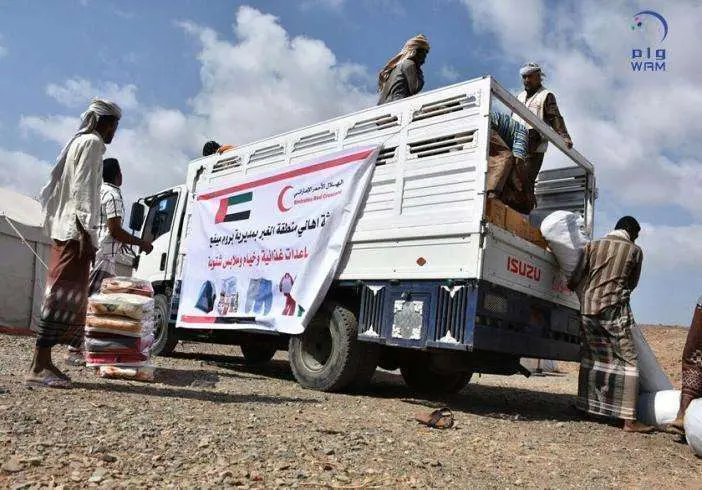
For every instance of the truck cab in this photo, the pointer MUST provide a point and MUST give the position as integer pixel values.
(159, 219)
(491, 293)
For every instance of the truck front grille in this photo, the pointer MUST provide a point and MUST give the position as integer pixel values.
(451, 314)
(370, 319)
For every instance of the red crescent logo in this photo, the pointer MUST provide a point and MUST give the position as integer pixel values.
(281, 196)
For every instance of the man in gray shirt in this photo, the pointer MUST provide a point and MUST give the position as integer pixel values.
(402, 76)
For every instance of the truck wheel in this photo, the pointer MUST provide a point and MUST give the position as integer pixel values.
(258, 352)
(419, 378)
(326, 355)
(165, 340)
(367, 364)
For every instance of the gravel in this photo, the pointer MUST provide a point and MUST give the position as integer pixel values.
(209, 421)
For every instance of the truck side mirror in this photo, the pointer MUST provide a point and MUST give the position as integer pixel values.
(136, 218)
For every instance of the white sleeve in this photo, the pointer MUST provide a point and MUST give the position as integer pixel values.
(88, 178)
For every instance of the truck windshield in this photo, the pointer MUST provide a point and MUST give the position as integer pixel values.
(160, 217)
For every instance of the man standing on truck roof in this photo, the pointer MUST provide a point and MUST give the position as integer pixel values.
(607, 273)
(70, 210)
(541, 102)
(402, 76)
(212, 147)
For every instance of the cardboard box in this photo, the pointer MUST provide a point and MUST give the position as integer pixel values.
(537, 238)
(499, 214)
(517, 224)
(496, 212)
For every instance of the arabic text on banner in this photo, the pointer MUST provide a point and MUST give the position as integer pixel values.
(268, 247)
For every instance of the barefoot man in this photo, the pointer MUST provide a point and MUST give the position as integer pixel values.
(71, 210)
(608, 272)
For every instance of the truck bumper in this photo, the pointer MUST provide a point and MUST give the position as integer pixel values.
(466, 316)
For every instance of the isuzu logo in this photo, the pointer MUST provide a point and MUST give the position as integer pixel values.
(524, 269)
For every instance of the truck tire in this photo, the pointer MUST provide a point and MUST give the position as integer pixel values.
(256, 353)
(165, 340)
(423, 380)
(367, 364)
(326, 355)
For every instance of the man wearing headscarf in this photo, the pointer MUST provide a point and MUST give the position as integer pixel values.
(402, 76)
(541, 102)
(70, 211)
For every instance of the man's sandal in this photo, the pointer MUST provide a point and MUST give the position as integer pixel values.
(438, 419)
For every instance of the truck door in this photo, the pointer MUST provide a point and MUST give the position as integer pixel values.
(161, 217)
(568, 189)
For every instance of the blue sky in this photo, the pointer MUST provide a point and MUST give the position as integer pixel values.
(186, 71)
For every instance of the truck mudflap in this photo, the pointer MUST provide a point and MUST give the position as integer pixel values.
(468, 315)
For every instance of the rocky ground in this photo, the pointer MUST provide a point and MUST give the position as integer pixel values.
(209, 421)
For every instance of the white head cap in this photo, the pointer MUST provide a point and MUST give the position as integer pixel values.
(530, 68)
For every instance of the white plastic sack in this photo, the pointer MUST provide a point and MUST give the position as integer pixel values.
(651, 375)
(658, 409)
(565, 233)
(693, 426)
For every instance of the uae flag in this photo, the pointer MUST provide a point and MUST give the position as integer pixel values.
(234, 208)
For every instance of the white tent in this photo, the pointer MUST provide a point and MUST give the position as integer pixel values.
(23, 273)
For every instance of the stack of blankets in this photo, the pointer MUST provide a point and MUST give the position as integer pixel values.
(119, 329)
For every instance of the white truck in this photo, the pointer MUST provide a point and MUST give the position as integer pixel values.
(481, 296)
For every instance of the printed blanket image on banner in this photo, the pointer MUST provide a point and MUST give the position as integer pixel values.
(267, 247)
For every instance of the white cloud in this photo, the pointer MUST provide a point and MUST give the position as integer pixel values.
(639, 129)
(518, 27)
(261, 83)
(449, 73)
(267, 82)
(78, 92)
(671, 247)
(53, 128)
(22, 172)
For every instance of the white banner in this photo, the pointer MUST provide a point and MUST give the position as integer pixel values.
(267, 248)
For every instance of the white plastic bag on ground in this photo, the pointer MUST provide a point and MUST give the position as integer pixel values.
(693, 426)
(658, 409)
(651, 375)
(539, 365)
(565, 233)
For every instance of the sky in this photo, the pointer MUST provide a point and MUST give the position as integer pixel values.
(186, 71)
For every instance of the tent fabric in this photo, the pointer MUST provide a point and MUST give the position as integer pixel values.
(20, 208)
(23, 274)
